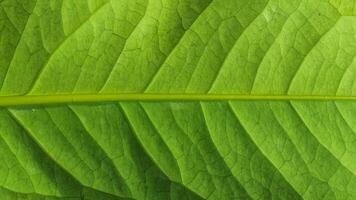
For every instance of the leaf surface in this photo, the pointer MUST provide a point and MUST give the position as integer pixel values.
(180, 99)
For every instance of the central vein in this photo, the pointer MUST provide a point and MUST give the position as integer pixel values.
(88, 98)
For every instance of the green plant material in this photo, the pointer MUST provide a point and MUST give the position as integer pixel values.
(248, 99)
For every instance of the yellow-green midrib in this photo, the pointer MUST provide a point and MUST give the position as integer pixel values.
(93, 98)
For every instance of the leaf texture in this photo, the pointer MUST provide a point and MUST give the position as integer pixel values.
(178, 149)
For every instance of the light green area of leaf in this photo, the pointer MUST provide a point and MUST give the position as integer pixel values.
(247, 149)
(274, 47)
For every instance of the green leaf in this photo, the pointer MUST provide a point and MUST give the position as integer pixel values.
(179, 99)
